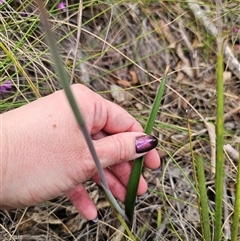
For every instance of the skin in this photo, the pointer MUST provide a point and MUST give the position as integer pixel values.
(44, 153)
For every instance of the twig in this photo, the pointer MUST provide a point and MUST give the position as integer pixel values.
(233, 153)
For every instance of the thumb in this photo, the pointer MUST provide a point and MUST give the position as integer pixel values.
(122, 147)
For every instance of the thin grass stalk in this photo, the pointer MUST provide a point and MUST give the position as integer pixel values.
(138, 163)
(121, 219)
(64, 79)
(219, 145)
(124, 224)
(142, 231)
(236, 212)
(192, 153)
(159, 218)
(198, 180)
(204, 209)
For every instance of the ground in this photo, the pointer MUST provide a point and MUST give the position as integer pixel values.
(120, 50)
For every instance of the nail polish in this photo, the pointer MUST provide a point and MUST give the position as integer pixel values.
(145, 143)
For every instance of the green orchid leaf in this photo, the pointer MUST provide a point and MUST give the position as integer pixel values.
(138, 163)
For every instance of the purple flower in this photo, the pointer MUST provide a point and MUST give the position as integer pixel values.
(5, 86)
(1, 2)
(61, 6)
(235, 30)
(23, 14)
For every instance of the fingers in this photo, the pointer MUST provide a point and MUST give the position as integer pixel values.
(122, 147)
(116, 150)
(116, 187)
(82, 202)
(117, 179)
(117, 183)
(119, 120)
(101, 114)
(152, 160)
(123, 172)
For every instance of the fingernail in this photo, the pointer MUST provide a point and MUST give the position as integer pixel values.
(145, 143)
(95, 220)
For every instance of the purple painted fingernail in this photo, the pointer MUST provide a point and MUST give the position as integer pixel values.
(145, 143)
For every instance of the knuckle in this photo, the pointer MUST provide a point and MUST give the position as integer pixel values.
(88, 168)
(122, 152)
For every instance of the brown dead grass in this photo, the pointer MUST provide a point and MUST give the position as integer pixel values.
(127, 46)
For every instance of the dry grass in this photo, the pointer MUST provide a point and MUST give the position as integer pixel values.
(128, 45)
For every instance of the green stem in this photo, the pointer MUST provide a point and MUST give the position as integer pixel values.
(219, 145)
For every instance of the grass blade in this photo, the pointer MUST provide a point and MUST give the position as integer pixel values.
(64, 79)
(138, 163)
(201, 191)
(205, 222)
(236, 212)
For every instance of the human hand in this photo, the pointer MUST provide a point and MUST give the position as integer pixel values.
(44, 153)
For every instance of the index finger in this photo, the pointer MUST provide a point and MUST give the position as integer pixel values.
(119, 120)
(101, 114)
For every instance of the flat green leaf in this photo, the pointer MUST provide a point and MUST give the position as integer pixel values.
(138, 163)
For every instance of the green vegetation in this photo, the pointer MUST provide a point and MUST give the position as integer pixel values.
(120, 49)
